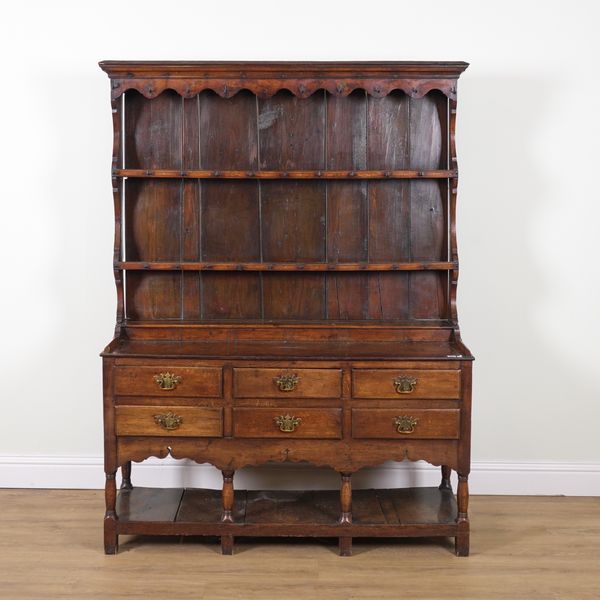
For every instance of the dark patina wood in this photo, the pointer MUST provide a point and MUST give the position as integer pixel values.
(286, 265)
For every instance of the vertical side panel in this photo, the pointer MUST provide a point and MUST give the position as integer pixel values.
(293, 221)
(153, 233)
(154, 295)
(426, 134)
(347, 205)
(348, 296)
(190, 220)
(293, 297)
(117, 189)
(427, 207)
(291, 132)
(230, 209)
(428, 295)
(153, 131)
(229, 295)
(228, 131)
(452, 197)
(291, 136)
(153, 208)
(153, 219)
(230, 233)
(230, 221)
(388, 123)
(388, 293)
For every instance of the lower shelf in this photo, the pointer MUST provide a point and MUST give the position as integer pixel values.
(407, 512)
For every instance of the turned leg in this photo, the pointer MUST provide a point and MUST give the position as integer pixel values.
(345, 542)
(227, 545)
(445, 484)
(227, 497)
(111, 539)
(227, 514)
(126, 476)
(462, 538)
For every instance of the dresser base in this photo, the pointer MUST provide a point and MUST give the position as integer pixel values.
(406, 512)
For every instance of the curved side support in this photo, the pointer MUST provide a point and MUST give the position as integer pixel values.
(117, 189)
(453, 183)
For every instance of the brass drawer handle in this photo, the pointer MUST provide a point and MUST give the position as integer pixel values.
(287, 423)
(167, 381)
(287, 383)
(168, 420)
(405, 424)
(405, 385)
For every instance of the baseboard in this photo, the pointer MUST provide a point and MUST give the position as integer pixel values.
(496, 478)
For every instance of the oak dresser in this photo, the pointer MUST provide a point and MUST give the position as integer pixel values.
(286, 266)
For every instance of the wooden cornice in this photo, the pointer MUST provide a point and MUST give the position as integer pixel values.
(264, 79)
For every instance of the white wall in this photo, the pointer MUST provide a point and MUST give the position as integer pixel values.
(529, 206)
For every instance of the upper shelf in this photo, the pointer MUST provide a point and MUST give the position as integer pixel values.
(318, 174)
(285, 266)
(265, 79)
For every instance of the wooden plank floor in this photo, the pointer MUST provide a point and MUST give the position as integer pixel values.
(522, 548)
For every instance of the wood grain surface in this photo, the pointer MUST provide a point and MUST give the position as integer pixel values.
(316, 423)
(194, 382)
(515, 555)
(379, 423)
(286, 183)
(195, 421)
(379, 383)
(286, 218)
(312, 383)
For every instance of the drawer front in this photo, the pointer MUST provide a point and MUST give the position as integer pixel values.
(178, 421)
(406, 423)
(393, 383)
(287, 383)
(287, 422)
(170, 379)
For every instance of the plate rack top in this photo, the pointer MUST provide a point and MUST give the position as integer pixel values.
(188, 78)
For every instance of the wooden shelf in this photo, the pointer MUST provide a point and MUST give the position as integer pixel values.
(391, 512)
(316, 350)
(217, 174)
(269, 266)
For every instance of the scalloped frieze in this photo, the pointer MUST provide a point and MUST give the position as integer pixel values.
(265, 88)
(340, 456)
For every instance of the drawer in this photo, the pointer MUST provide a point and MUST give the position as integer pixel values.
(287, 383)
(168, 379)
(287, 422)
(406, 423)
(398, 383)
(180, 421)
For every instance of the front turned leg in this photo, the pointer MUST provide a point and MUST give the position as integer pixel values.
(126, 475)
(227, 514)
(461, 543)
(345, 542)
(445, 484)
(111, 539)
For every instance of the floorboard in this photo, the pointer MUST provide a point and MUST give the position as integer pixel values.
(521, 548)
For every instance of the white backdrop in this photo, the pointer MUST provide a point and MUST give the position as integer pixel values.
(529, 210)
